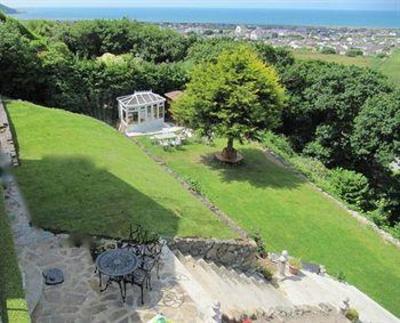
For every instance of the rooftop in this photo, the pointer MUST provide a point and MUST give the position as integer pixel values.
(140, 99)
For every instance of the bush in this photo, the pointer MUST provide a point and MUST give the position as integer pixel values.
(327, 50)
(352, 315)
(267, 273)
(278, 144)
(194, 185)
(351, 186)
(295, 263)
(311, 167)
(340, 276)
(266, 268)
(353, 52)
(260, 245)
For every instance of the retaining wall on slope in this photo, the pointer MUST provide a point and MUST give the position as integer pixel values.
(7, 146)
(239, 254)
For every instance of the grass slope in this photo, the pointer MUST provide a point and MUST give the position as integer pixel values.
(389, 66)
(80, 175)
(13, 307)
(291, 214)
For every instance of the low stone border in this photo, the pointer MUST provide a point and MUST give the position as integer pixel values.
(239, 254)
(7, 145)
(33, 284)
(359, 217)
(307, 313)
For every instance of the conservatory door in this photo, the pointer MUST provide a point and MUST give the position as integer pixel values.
(142, 115)
(133, 118)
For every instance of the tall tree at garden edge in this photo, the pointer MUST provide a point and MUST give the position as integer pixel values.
(235, 97)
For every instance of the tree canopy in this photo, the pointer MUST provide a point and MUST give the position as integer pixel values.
(234, 97)
(376, 133)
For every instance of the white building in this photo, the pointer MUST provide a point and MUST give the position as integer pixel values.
(141, 112)
(240, 31)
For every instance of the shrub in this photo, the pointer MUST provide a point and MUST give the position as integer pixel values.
(260, 245)
(278, 144)
(194, 185)
(340, 276)
(327, 50)
(352, 315)
(353, 52)
(378, 215)
(266, 268)
(295, 263)
(351, 186)
(267, 273)
(312, 168)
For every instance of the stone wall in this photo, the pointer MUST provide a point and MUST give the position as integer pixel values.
(7, 147)
(240, 254)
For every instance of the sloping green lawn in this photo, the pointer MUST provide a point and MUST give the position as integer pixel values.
(389, 66)
(291, 214)
(80, 175)
(13, 307)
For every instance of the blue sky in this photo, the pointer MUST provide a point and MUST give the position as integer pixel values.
(295, 4)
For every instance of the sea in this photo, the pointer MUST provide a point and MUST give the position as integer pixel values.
(281, 17)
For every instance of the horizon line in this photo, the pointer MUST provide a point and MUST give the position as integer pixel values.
(203, 7)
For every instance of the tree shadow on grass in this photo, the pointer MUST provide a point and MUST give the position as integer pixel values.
(70, 194)
(256, 170)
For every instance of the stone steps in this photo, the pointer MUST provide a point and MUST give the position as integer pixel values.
(237, 292)
(313, 289)
(304, 298)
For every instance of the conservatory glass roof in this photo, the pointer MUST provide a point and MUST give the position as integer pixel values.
(138, 99)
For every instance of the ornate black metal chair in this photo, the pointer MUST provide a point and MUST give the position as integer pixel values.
(141, 277)
(152, 256)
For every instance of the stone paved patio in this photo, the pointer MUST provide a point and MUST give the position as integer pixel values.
(78, 299)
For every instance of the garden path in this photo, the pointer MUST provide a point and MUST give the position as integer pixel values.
(78, 299)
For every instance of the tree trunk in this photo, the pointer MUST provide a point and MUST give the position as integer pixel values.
(229, 152)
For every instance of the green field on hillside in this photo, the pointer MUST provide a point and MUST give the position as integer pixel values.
(13, 307)
(79, 175)
(390, 66)
(291, 214)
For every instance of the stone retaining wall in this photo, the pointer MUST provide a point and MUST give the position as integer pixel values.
(7, 146)
(240, 254)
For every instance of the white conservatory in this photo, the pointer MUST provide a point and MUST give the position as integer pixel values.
(141, 112)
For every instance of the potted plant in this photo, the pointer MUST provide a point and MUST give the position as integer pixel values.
(294, 266)
(352, 315)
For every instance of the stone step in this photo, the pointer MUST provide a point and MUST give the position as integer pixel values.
(223, 272)
(250, 285)
(248, 296)
(369, 310)
(203, 278)
(231, 291)
(246, 292)
(192, 286)
(180, 256)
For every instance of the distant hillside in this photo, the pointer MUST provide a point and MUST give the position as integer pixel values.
(7, 10)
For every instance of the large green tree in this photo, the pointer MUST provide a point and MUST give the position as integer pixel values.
(324, 99)
(376, 144)
(234, 97)
(376, 135)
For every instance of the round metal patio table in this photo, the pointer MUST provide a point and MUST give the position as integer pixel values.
(116, 264)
